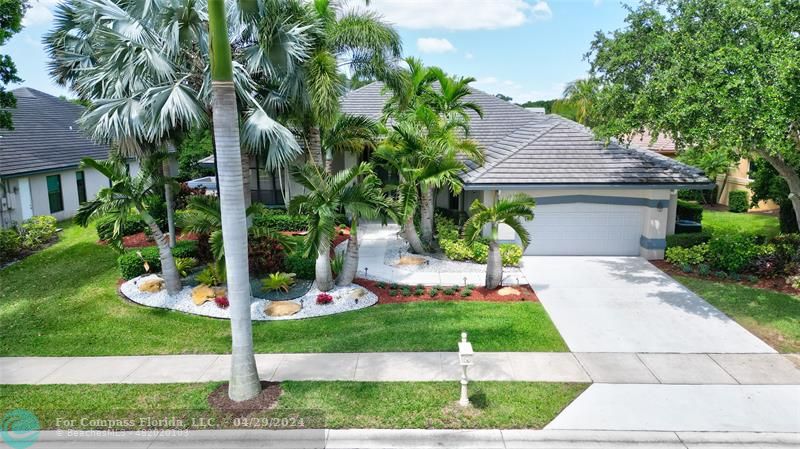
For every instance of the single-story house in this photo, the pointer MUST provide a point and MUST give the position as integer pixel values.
(40, 158)
(592, 198)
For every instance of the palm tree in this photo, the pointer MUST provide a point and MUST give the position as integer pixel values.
(348, 134)
(244, 382)
(357, 39)
(125, 194)
(145, 68)
(329, 195)
(362, 198)
(507, 211)
(581, 94)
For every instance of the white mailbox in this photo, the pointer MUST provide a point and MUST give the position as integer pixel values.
(465, 355)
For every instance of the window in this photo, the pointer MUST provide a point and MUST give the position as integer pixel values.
(81, 181)
(54, 193)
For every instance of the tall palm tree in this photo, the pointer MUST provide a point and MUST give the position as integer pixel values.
(364, 198)
(507, 211)
(244, 382)
(349, 134)
(357, 39)
(145, 68)
(329, 195)
(124, 194)
(581, 94)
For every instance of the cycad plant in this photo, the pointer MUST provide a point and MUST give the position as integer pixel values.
(508, 211)
(328, 197)
(123, 195)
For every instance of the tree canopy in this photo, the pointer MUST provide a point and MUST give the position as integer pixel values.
(710, 74)
(11, 12)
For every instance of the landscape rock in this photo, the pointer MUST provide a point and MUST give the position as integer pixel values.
(508, 291)
(153, 284)
(282, 308)
(203, 293)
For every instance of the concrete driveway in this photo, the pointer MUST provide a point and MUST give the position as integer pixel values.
(625, 304)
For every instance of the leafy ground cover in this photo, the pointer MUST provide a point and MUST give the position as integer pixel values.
(63, 301)
(330, 404)
(772, 316)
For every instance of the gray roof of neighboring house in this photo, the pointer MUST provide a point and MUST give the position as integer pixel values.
(45, 137)
(527, 149)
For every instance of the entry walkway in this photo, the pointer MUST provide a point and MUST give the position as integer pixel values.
(616, 368)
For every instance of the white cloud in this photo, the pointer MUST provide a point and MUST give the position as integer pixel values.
(598, 2)
(468, 55)
(40, 12)
(517, 90)
(541, 11)
(434, 45)
(461, 14)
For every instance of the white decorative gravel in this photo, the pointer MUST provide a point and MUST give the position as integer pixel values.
(342, 302)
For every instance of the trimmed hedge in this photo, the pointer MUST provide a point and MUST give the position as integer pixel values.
(131, 265)
(105, 226)
(688, 240)
(688, 210)
(279, 220)
(738, 201)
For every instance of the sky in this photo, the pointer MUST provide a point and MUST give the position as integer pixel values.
(525, 49)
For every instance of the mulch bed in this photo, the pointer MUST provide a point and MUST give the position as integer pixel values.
(776, 284)
(142, 240)
(267, 399)
(478, 294)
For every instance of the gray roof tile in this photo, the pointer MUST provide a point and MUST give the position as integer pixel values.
(525, 148)
(45, 135)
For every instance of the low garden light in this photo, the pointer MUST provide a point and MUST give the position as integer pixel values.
(366, 273)
(465, 355)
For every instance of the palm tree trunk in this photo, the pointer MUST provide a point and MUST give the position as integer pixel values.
(324, 275)
(244, 382)
(170, 203)
(169, 271)
(426, 215)
(410, 232)
(329, 162)
(494, 265)
(246, 178)
(350, 268)
(315, 145)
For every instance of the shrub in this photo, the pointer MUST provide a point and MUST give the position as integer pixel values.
(767, 265)
(133, 224)
(457, 249)
(419, 292)
(688, 240)
(278, 281)
(786, 248)
(449, 291)
(699, 196)
(688, 210)
(38, 230)
(794, 281)
(337, 263)
(721, 274)
(433, 292)
(392, 292)
(265, 255)
(10, 244)
(752, 279)
(466, 293)
(732, 252)
(704, 269)
(406, 291)
(324, 298)
(222, 302)
(511, 253)
(279, 220)
(687, 256)
(213, 275)
(304, 268)
(132, 263)
(446, 229)
(738, 201)
(380, 284)
(184, 264)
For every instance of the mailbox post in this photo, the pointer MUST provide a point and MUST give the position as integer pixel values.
(465, 354)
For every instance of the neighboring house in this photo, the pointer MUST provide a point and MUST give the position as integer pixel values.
(40, 158)
(737, 178)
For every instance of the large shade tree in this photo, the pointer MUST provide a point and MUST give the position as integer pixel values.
(11, 12)
(709, 73)
(145, 67)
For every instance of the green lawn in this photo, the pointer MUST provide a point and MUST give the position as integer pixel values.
(323, 404)
(729, 222)
(773, 316)
(63, 301)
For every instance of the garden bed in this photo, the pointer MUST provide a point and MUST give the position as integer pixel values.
(389, 293)
(776, 284)
(142, 240)
(344, 299)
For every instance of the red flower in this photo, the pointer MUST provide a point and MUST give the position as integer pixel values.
(222, 302)
(324, 298)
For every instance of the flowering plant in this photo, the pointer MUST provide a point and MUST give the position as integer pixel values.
(222, 302)
(324, 298)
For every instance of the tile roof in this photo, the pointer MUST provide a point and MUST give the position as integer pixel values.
(525, 148)
(662, 144)
(45, 136)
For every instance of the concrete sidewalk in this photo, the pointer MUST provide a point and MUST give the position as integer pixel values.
(375, 438)
(614, 368)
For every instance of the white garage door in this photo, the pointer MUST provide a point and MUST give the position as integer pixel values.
(582, 229)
